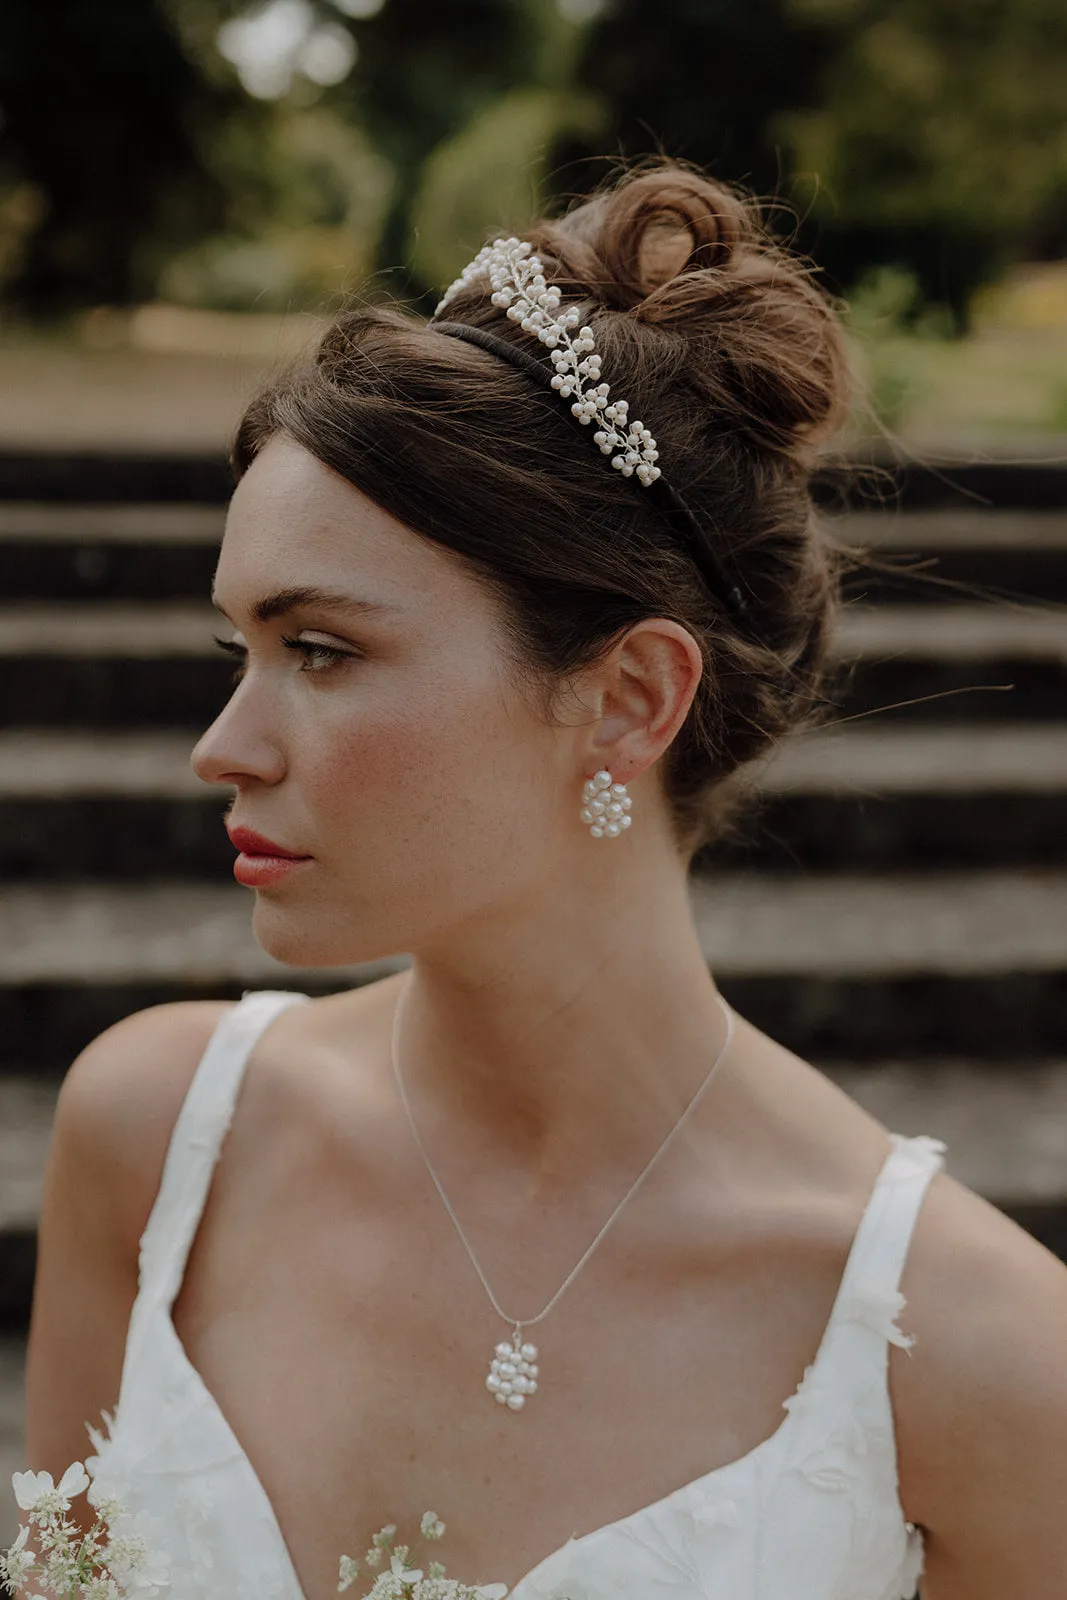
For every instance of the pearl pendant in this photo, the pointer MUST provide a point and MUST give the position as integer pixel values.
(513, 1372)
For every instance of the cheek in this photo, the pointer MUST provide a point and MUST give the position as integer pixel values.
(457, 754)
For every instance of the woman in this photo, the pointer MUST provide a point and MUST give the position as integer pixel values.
(492, 697)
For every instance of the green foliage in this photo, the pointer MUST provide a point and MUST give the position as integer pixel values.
(892, 328)
(491, 176)
(928, 132)
(425, 69)
(702, 79)
(925, 136)
(330, 189)
(424, 72)
(940, 136)
(105, 118)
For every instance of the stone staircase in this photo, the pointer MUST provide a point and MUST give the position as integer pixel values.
(897, 912)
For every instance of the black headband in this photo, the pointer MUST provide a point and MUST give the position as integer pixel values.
(667, 501)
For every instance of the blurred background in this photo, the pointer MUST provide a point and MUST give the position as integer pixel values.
(188, 188)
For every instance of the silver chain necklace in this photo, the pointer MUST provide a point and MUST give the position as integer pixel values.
(513, 1371)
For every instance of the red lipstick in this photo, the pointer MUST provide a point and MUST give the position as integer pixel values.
(261, 861)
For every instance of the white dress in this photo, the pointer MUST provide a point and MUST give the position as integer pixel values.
(812, 1513)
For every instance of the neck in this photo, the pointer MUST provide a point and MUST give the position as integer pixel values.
(566, 1054)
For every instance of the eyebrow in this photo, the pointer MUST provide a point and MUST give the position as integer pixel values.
(283, 601)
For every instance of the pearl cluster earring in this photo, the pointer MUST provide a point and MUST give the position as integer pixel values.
(605, 806)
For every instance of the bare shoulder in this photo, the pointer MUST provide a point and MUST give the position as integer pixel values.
(121, 1096)
(980, 1398)
(114, 1117)
(980, 1401)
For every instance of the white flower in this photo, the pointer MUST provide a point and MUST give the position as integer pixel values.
(133, 1554)
(36, 1491)
(347, 1574)
(16, 1563)
(431, 1526)
(387, 1587)
(107, 1506)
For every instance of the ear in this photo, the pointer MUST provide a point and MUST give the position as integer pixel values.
(641, 694)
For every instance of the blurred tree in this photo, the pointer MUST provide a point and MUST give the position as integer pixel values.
(940, 137)
(703, 79)
(423, 72)
(492, 176)
(105, 117)
(931, 134)
(315, 239)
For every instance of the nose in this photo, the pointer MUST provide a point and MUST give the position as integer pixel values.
(238, 748)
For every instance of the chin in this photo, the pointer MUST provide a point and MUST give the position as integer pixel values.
(306, 939)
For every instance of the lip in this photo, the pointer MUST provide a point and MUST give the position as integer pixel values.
(251, 843)
(261, 861)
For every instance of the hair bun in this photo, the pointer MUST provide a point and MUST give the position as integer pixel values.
(685, 252)
(654, 225)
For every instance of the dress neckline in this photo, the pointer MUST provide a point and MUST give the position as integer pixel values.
(703, 1480)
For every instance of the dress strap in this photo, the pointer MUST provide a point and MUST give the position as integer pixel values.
(844, 1393)
(197, 1136)
(870, 1288)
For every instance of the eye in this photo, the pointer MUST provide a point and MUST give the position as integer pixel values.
(317, 656)
(238, 651)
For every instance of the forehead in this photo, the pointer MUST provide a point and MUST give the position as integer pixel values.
(294, 522)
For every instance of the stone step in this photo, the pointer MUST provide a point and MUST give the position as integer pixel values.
(961, 662)
(881, 479)
(871, 797)
(1005, 1128)
(858, 966)
(122, 805)
(168, 552)
(114, 477)
(943, 556)
(114, 664)
(131, 552)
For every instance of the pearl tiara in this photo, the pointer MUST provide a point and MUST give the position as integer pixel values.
(520, 289)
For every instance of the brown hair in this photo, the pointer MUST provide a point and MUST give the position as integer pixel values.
(719, 337)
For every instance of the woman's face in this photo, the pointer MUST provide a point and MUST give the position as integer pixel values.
(374, 732)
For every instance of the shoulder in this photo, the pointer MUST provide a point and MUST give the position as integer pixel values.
(135, 1064)
(120, 1098)
(980, 1401)
(113, 1119)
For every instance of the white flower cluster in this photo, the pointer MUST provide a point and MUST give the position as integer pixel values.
(116, 1558)
(520, 289)
(404, 1582)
